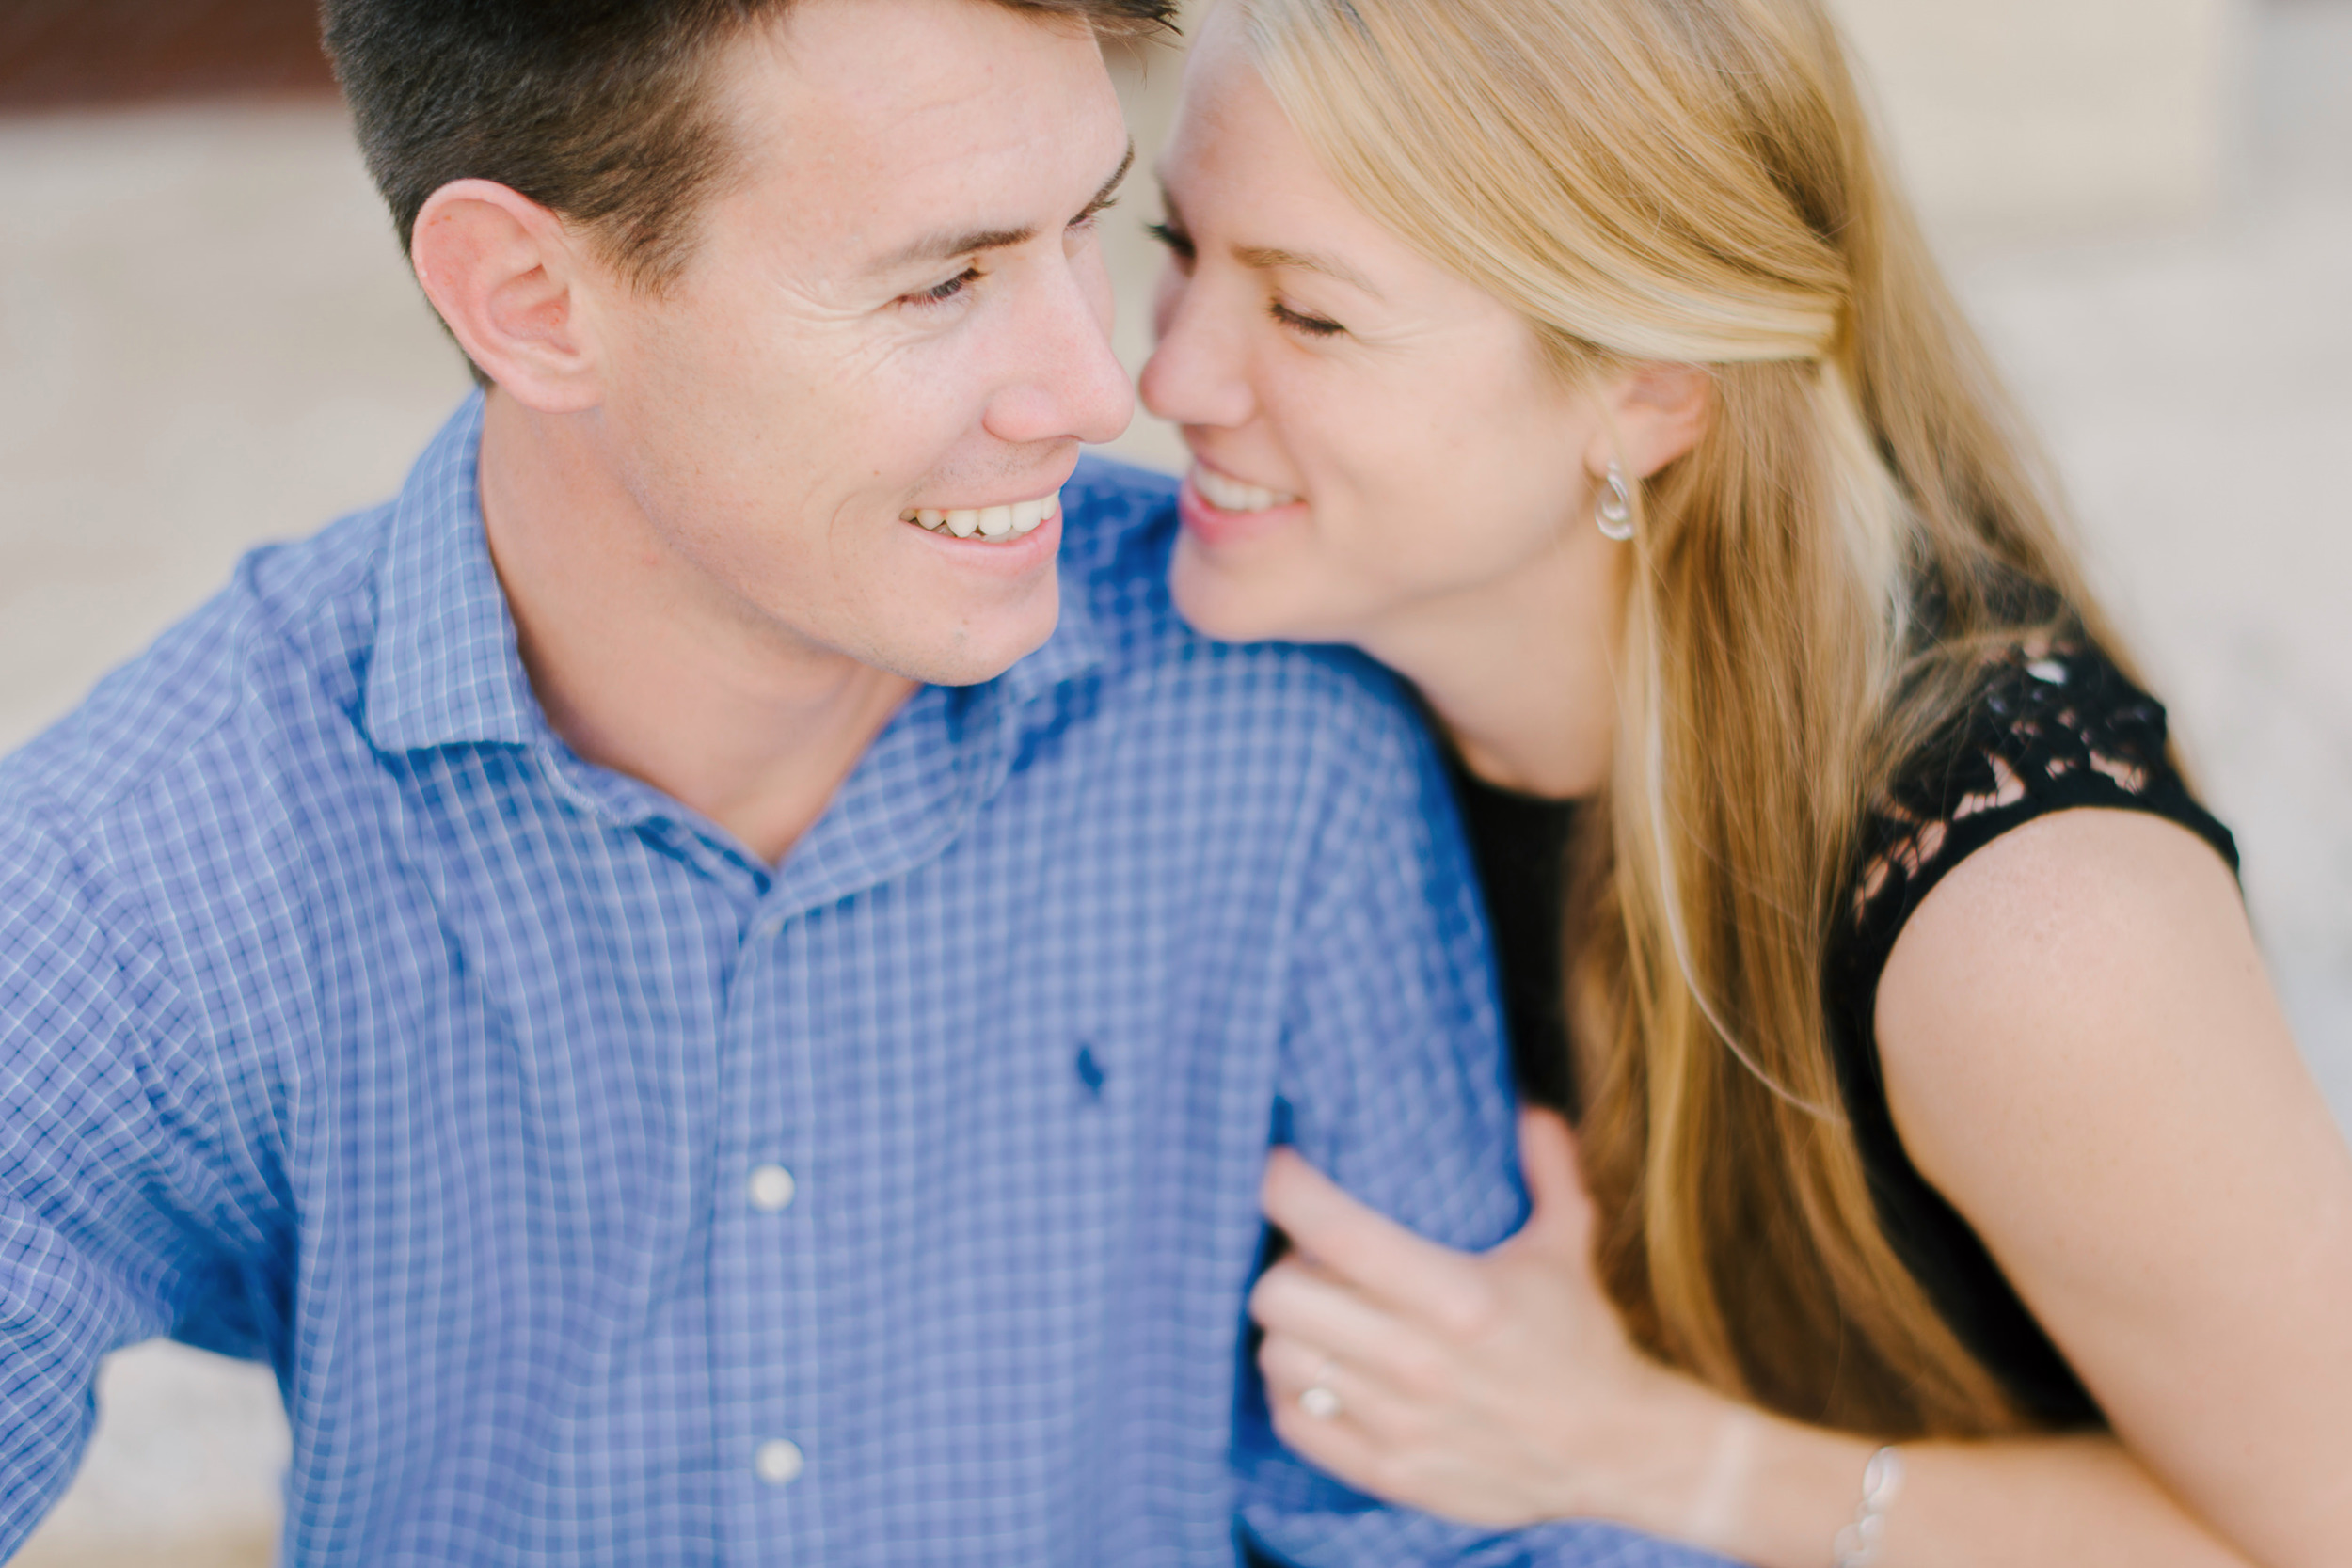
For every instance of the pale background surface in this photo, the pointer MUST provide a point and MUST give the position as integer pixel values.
(207, 339)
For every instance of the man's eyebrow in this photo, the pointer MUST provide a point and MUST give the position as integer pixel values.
(947, 244)
(1268, 257)
(1110, 192)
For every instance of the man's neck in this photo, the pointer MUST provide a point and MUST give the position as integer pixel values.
(646, 667)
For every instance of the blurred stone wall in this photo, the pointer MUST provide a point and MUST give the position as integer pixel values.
(2010, 114)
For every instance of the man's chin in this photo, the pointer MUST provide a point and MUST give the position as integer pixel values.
(985, 648)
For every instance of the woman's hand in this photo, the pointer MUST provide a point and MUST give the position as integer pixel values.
(1498, 1389)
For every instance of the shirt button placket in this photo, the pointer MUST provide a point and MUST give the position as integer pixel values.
(771, 1361)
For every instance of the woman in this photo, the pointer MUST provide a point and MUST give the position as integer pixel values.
(1945, 1184)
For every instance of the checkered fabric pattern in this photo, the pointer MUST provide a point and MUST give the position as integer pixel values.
(601, 1194)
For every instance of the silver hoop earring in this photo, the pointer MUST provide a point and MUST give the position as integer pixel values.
(1614, 510)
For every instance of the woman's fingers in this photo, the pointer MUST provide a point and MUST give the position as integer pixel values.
(1377, 1440)
(1371, 1251)
(1292, 1367)
(1338, 1447)
(1561, 1213)
(1293, 1298)
(1292, 1302)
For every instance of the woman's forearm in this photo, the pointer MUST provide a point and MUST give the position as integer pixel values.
(1500, 1389)
(1775, 1494)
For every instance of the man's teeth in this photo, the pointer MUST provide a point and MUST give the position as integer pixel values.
(1234, 495)
(989, 522)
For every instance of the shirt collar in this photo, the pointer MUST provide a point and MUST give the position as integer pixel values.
(446, 669)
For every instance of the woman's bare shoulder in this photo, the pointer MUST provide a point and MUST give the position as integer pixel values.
(2083, 962)
(2084, 1055)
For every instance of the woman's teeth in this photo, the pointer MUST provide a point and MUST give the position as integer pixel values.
(1234, 495)
(989, 522)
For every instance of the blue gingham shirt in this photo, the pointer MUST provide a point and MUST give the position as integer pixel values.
(601, 1194)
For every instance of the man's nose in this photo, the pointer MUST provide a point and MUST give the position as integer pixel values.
(1196, 375)
(1074, 386)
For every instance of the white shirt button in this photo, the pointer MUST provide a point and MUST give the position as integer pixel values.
(779, 1462)
(772, 1189)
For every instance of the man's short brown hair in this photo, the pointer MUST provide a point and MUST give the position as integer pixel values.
(599, 110)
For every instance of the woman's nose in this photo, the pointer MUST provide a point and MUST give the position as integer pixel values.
(1196, 374)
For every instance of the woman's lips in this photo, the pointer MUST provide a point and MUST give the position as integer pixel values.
(1220, 526)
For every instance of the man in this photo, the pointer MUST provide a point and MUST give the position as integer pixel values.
(712, 982)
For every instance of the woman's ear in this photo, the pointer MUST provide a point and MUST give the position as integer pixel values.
(1656, 413)
(504, 274)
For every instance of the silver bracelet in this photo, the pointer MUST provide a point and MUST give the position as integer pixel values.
(1857, 1545)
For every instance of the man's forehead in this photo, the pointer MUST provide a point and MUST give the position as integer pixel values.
(895, 118)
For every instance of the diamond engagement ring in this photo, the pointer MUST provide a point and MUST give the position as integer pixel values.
(1316, 1398)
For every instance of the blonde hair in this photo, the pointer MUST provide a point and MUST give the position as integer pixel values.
(1693, 181)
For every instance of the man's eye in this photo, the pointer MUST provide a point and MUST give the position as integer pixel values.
(1313, 327)
(1178, 243)
(942, 293)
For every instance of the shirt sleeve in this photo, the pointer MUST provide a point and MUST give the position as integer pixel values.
(104, 1190)
(1395, 1080)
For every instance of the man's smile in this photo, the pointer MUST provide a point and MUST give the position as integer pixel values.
(1004, 521)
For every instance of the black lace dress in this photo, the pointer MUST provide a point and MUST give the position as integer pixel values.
(2049, 732)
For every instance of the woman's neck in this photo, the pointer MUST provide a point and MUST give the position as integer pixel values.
(1518, 671)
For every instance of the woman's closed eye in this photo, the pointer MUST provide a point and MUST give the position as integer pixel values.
(1179, 244)
(1300, 322)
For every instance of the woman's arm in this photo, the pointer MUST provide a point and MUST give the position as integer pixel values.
(2083, 1056)
(2082, 1053)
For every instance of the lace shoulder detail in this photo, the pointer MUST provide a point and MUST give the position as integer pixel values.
(2049, 728)
(2052, 728)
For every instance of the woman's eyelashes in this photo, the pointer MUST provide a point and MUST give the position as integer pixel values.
(1179, 244)
(1312, 327)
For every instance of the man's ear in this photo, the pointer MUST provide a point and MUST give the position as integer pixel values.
(505, 274)
(1656, 413)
